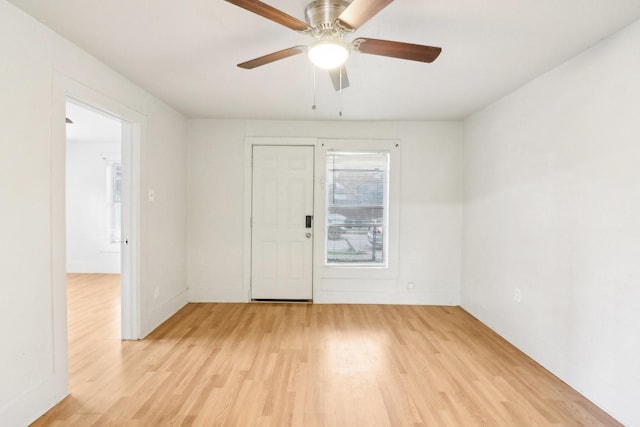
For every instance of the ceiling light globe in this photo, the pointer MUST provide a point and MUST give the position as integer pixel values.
(328, 54)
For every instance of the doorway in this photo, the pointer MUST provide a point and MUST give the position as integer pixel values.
(282, 222)
(93, 188)
(99, 212)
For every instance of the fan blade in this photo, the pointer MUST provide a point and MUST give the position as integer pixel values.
(360, 11)
(271, 13)
(272, 57)
(412, 52)
(335, 77)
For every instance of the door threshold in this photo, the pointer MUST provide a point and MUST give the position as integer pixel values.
(281, 301)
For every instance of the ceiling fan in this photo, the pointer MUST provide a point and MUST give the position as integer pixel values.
(328, 21)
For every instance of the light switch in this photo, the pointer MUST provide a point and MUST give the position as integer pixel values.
(152, 195)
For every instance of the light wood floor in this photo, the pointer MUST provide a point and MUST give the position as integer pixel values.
(303, 365)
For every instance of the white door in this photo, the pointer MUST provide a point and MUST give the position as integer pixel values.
(281, 236)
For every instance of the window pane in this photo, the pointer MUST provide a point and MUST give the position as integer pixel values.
(115, 198)
(356, 207)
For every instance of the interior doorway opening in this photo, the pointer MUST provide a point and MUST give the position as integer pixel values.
(93, 219)
(100, 220)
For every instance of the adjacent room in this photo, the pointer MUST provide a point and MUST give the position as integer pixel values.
(439, 226)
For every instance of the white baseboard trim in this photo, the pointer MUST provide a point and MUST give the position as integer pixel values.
(202, 294)
(156, 317)
(29, 406)
(218, 295)
(401, 298)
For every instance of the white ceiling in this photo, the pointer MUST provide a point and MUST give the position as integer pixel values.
(185, 52)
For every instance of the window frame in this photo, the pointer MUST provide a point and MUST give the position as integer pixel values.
(388, 269)
(114, 202)
(108, 243)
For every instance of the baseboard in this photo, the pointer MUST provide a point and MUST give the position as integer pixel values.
(218, 295)
(159, 315)
(31, 405)
(399, 298)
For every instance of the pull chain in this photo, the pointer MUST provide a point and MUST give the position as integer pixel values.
(341, 97)
(313, 106)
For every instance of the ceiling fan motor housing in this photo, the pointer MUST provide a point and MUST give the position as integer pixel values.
(321, 15)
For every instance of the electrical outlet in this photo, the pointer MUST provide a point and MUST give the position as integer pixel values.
(517, 295)
(411, 285)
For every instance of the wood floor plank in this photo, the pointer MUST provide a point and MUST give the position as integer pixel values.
(302, 365)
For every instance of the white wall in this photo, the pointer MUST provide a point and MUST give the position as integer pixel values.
(552, 206)
(38, 69)
(88, 248)
(27, 356)
(163, 275)
(430, 208)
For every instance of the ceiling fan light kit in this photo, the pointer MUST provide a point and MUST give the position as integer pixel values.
(328, 51)
(328, 21)
(328, 54)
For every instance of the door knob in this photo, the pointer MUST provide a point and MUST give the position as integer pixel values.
(308, 235)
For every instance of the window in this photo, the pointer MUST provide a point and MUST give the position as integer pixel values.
(357, 194)
(114, 201)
